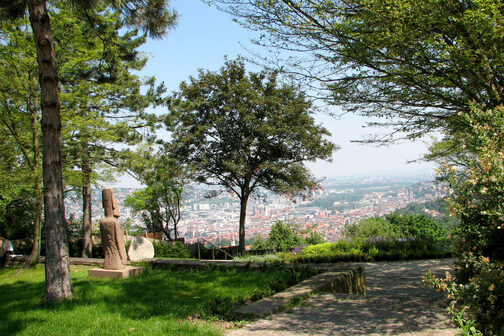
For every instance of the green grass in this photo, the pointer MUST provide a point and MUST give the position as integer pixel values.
(159, 302)
(258, 258)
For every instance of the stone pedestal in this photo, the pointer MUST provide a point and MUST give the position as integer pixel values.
(127, 272)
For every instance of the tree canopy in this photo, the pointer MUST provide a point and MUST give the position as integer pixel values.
(161, 202)
(414, 64)
(153, 17)
(246, 131)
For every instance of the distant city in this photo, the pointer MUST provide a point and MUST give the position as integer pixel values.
(328, 210)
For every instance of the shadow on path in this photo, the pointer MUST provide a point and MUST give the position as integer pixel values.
(397, 303)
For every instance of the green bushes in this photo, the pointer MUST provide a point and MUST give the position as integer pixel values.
(360, 249)
(171, 250)
(477, 289)
(286, 235)
(478, 301)
(394, 237)
(396, 226)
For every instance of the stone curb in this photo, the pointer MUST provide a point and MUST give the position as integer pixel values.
(347, 280)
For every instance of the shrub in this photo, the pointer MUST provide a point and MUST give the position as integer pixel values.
(417, 227)
(171, 250)
(370, 227)
(367, 249)
(477, 200)
(283, 236)
(479, 302)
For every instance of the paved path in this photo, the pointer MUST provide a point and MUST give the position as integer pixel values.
(397, 303)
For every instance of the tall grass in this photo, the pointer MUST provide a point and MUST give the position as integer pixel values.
(159, 302)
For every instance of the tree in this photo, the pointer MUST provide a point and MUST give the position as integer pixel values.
(417, 227)
(153, 17)
(477, 199)
(103, 103)
(412, 227)
(160, 203)
(245, 131)
(283, 236)
(415, 64)
(375, 227)
(20, 132)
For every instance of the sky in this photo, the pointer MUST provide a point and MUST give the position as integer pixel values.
(201, 40)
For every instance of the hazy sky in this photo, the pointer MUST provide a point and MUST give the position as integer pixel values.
(204, 36)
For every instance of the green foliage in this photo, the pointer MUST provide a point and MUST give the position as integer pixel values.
(314, 238)
(171, 250)
(283, 236)
(131, 228)
(415, 64)
(478, 198)
(20, 167)
(367, 250)
(159, 302)
(286, 235)
(160, 203)
(477, 289)
(103, 102)
(371, 227)
(259, 243)
(418, 228)
(17, 215)
(155, 21)
(440, 206)
(244, 131)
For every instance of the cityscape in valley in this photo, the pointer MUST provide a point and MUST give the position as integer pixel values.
(339, 202)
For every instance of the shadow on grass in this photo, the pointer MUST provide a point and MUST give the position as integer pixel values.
(176, 295)
(13, 301)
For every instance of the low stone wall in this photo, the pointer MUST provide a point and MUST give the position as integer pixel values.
(343, 279)
(347, 282)
(14, 261)
(19, 260)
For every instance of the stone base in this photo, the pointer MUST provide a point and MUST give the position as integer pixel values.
(127, 272)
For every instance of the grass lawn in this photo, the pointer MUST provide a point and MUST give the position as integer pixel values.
(159, 302)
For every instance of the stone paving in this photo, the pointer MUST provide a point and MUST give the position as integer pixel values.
(397, 303)
(340, 279)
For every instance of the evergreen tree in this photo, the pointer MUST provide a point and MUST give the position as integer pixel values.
(20, 170)
(102, 101)
(153, 17)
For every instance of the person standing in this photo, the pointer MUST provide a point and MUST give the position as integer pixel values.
(7, 250)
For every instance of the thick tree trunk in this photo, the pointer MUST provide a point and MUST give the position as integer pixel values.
(87, 225)
(243, 215)
(57, 268)
(37, 234)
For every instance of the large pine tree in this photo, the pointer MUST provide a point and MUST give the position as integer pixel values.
(152, 16)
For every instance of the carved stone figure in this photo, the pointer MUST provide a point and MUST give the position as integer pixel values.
(112, 235)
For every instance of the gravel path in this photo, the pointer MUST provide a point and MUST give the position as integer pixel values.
(397, 303)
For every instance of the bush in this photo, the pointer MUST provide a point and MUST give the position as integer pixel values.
(479, 302)
(171, 250)
(395, 226)
(367, 249)
(283, 237)
(477, 288)
(286, 236)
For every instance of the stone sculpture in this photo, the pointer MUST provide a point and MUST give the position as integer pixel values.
(112, 235)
